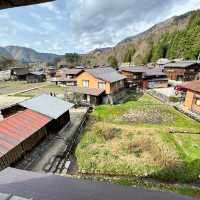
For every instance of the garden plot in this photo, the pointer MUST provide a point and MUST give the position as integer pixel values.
(134, 139)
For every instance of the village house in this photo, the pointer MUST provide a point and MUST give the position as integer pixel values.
(182, 70)
(36, 77)
(154, 78)
(100, 85)
(68, 76)
(192, 99)
(51, 71)
(134, 75)
(19, 73)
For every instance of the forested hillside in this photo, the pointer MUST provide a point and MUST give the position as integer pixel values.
(177, 37)
(180, 44)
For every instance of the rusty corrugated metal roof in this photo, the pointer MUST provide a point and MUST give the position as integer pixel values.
(19, 127)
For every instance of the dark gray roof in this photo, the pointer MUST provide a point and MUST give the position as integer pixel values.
(4, 196)
(134, 69)
(72, 71)
(51, 187)
(13, 3)
(106, 74)
(181, 64)
(154, 72)
(90, 91)
(37, 73)
(47, 105)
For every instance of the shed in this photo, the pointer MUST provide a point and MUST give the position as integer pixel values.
(36, 77)
(52, 107)
(19, 134)
(19, 73)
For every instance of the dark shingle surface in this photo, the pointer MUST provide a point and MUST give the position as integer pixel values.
(51, 187)
(181, 64)
(133, 69)
(107, 74)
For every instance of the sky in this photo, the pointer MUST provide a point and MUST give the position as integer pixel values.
(83, 25)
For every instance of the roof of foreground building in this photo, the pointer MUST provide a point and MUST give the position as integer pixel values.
(47, 105)
(50, 187)
(16, 3)
(17, 128)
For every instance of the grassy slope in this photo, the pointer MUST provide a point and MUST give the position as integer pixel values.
(169, 157)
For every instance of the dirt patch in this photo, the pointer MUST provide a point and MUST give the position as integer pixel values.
(149, 115)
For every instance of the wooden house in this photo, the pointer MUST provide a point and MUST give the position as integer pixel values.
(19, 134)
(56, 109)
(68, 76)
(22, 131)
(182, 70)
(19, 73)
(100, 85)
(192, 99)
(134, 75)
(154, 78)
(36, 77)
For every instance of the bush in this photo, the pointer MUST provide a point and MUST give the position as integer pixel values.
(174, 99)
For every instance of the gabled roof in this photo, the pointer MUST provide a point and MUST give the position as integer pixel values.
(107, 74)
(154, 72)
(71, 71)
(133, 69)
(50, 187)
(15, 3)
(192, 85)
(47, 105)
(18, 127)
(181, 64)
(37, 73)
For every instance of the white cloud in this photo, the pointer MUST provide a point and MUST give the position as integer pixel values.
(100, 23)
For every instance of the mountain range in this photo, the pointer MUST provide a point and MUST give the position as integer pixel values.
(24, 54)
(175, 37)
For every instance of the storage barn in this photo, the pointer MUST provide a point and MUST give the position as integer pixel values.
(52, 107)
(19, 134)
(36, 77)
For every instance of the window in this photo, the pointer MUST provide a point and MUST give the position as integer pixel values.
(85, 83)
(198, 101)
(102, 85)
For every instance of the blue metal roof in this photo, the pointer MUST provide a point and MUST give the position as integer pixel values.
(47, 105)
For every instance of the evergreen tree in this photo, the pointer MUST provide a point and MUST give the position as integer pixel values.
(112, 61)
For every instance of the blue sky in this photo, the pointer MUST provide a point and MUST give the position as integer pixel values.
(82, 25)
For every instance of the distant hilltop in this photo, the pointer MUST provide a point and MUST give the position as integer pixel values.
(27, 55)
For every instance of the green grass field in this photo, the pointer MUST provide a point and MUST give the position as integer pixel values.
(135, 139)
